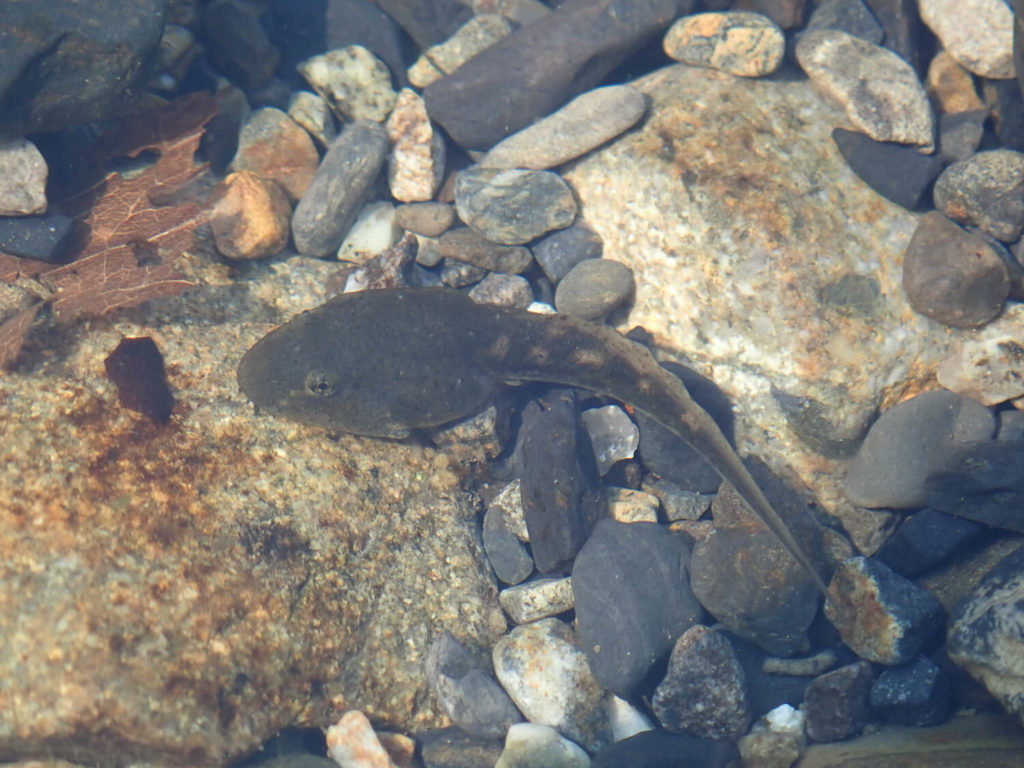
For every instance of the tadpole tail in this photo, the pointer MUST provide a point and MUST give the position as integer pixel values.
(732, 470)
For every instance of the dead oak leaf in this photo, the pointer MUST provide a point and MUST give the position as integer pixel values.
(13, 331)
(14, 267)
(114, 278)
(131, 235)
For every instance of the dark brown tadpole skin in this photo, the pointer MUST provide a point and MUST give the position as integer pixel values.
(382, 363)
(137, 369)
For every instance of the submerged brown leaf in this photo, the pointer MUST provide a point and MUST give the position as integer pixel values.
(131, 234)
(13, 267)
(132, 229)
(112, 279)
(12, 333)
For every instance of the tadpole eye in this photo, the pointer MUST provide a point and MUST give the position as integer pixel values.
(320, 382)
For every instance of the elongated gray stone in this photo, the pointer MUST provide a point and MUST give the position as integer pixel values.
(879, 91)
(340, 187)
(586, 122)
(538, 67)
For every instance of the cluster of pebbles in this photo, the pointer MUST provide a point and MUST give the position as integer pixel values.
(641, 633)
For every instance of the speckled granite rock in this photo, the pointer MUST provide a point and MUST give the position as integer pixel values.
(175, 595)
(762, 258)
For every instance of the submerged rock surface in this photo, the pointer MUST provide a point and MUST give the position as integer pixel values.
(764, 260)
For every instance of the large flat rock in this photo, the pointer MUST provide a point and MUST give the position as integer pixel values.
(175, 595)
(762, 259)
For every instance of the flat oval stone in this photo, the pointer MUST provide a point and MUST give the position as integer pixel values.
(466, 244)
(593, 288)
(740, 43)
(985, 190)
(908, 442)
(534, 70)
(342, 182)
(879, 91)
(512, 207)
(429, 219)
(586, 122)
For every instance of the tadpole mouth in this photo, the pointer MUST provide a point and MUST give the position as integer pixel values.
(254, 375)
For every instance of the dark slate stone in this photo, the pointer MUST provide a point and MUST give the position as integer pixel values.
(560, 251)
(670, 457)
(453, 748)
(1010, 108)
(340, 187)
(633, 600)
(470, 697)
(897, 172)
(704, 690)
(45, 238)
(850, 16)
(427, 21)
(916, 693)
(925, 540)
(809, 418)
(562, 494)
(983, 482)
(137, 369)
(880, 615)
(506, 554)
(537, 68)
(910, 441)
(1011, 425)
(903, 28)
(661, 749)
(235, 41)
(65, 64)
(764, 595)
(960, 133)
(836, 703)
